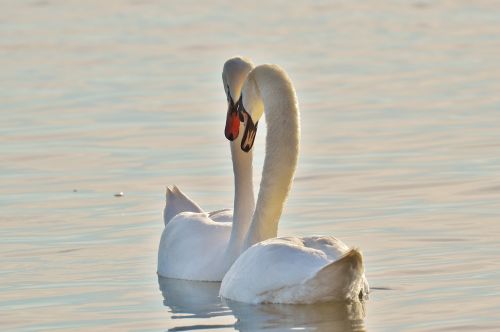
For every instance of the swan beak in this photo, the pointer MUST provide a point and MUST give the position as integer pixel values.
(249, 134)
(232, 129)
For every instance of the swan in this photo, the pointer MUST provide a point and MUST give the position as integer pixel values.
(202, 246)
(288, 269)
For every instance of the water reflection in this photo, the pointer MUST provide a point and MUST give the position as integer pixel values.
(200, 301)
(192, 299)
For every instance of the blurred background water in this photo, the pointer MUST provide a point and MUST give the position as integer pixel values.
(400, 156)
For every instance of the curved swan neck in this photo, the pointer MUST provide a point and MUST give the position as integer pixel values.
(244, 201)
(234, 74)
(282, 149)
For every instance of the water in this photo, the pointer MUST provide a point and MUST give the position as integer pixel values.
(400, 157)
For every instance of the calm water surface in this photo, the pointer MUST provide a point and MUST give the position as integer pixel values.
(400, 156)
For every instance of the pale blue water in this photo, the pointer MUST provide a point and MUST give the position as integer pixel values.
(400, 157)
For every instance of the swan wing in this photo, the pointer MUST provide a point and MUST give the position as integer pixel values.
(176, 202)
(192, 247)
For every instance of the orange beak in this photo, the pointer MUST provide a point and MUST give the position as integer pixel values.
(232, 129)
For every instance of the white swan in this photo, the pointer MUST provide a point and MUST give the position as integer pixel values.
(290, 269)
(200, 246)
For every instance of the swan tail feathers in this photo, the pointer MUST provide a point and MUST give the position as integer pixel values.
(177, 202)
(340, 280)
(169, 192)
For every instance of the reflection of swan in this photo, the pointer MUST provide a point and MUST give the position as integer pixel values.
(284, 270)
(331, 316)
(199, 299)
(196, 304)
(195, 245)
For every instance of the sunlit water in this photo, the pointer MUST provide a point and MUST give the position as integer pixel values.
(400, 156)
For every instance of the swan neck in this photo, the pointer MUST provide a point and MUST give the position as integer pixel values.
(282, 149)
(244, 201)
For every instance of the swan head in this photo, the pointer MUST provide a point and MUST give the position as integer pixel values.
(234, 74)
(250, 109)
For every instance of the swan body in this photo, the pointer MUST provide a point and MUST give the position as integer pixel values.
(192, 247)
(296, 270)
(196, 245)
(291, 269)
